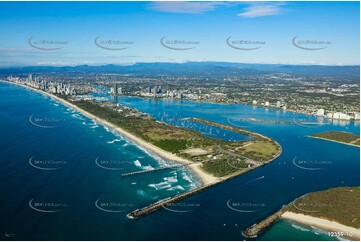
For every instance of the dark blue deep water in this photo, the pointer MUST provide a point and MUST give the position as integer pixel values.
(61, 173)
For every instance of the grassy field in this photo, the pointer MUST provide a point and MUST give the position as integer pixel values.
(220, 158)
(340, 204)
(259, 150)
(338, 136)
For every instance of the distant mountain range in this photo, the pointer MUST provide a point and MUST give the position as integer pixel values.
(210, 69)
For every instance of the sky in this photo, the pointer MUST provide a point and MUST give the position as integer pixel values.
(97, 33)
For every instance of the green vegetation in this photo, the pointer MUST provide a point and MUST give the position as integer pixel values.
(337, 136)
(218, 157)
(340, 204)
(167, 137)
(259, 150)
(171, 145)
(224, 167)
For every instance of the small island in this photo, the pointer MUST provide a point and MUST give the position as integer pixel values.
(336, 210)
(339, 137)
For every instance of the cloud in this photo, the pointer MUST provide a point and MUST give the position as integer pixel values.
(252, 10)
(185, 7)
(261, 9)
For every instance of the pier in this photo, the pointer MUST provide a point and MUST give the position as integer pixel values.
(151, 170)
(158, 169)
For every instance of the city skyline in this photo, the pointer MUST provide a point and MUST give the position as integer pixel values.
(145, 32)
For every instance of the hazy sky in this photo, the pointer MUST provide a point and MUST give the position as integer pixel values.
(260, 32)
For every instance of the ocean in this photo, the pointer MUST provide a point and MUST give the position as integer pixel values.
(61, 173)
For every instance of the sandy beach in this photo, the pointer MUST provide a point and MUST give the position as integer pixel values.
(206, 179)
(323, 224)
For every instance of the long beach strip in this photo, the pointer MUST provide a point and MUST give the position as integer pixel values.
(206, 179)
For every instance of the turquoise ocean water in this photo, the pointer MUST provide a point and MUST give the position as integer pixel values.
(61, 173)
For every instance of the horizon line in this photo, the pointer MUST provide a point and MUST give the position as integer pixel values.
(182, 62)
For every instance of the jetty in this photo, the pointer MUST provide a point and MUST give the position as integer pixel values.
(154, 170)
(164, 202)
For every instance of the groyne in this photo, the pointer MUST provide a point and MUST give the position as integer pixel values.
(256, 229)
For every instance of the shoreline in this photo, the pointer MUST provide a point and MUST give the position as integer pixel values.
(204, 177)
(340, 142)
(294, 111)
(333, 228)
(207, 180)
(329, 224)
(230, 103)
(324, 224)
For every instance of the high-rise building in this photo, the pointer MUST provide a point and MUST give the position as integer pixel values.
(115, 88)
(59, 89)
(357, 116)
(320, 112)
(278, 104)
(30, 78)
(341, 116)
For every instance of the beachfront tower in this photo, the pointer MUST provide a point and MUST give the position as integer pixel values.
(116, 88)
(278, 104)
